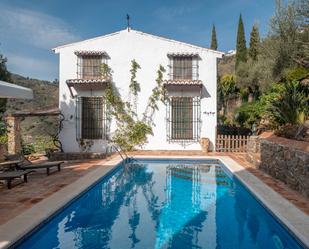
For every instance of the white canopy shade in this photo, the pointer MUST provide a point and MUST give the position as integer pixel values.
(8, 90)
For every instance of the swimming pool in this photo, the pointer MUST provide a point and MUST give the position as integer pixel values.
(164, 204)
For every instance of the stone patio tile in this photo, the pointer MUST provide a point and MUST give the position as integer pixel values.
(40, 186)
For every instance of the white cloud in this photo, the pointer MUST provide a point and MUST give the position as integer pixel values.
(36, 28)
(169, 13)
(32, 67)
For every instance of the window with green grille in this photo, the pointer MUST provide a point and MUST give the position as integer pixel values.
(183, 118)
(92, 118)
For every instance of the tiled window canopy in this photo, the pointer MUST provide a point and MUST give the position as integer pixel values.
(90, 53)
(86, 84)
(83, 81)
(182, 54)
(182, 83)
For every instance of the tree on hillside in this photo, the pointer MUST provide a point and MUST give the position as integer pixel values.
(214, 43)
(254, 77)
(302, 56)
(227, 89)
(241, 49)
(254, 43)
(5, 76)
(282, 49)
(4, 73)
(284, 29)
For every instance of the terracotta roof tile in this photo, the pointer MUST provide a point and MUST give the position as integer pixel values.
(182, 54)
(89, 52)
(85, 81)
(183, 82)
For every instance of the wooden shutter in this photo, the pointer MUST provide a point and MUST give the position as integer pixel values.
(91, 67)
(182, 68)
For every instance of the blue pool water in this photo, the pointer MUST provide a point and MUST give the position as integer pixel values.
(164, 204)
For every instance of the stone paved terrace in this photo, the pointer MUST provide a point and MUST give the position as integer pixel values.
(24, 196)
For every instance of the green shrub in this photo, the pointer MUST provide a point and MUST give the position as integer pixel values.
(297, 73)
(249, 113)
(135, 135)
(3, 139)
(3, 129)
(3, 133)
(222, 119)
(28, 149)
(244, 94)
(42, 143)
(290, 106)
(286, 103)
(276, 90)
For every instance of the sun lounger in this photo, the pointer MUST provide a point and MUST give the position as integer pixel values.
(8, 176)
(44, 165)
(26, 164)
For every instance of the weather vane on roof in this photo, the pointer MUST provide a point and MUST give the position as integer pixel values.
(128, 22)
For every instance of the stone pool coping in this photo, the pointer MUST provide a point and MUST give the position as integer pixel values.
(15, 229)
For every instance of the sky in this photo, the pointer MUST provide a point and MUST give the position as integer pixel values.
(29, 29)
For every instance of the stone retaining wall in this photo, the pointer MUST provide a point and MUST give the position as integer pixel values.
(3, 152)
(253, 150)
(286, 162)
(253, 144)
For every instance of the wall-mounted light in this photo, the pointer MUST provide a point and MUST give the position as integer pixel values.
(209, 113)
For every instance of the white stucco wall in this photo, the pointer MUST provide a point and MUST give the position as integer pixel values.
(150, 52)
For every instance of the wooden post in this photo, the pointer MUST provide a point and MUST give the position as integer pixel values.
(227, 144)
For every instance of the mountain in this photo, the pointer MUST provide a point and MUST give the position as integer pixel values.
(226, 65)
(36, 130)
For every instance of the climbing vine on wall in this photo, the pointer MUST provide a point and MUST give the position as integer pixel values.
(134, 87)
(158, 93)
(132, 131)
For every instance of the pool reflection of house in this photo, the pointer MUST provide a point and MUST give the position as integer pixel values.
(191, 203)
(198, 205)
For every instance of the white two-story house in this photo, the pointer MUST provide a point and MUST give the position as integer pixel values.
(190, 81)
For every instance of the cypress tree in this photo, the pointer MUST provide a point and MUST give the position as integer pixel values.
(241, 49)
(254, 42)
(214, 43)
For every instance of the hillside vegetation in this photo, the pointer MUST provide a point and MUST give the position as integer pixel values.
(36, 130)
(265, 85)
